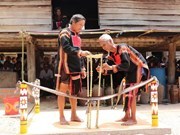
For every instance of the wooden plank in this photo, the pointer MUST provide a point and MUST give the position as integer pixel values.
(169, 28)
(90, 45)
(138, 11)
(142, 1)
(25, 9)
(26, 27)
(16, 0)
(139, 22)
(9, 35)
(25, 21)
(47, 40)
(131, 13)
(134, 44)
(138, 17)
(25, 15)
(9, 40)
(46, 43)
(90, 39)
(9, 45)
(26, 2)
(137, 40)
(139, 5)
(142, 39)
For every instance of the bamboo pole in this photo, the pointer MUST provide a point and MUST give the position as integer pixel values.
(88, 95)
(99, 90)
(112, 91)
(22, 59)
(101, 31)
(89, 88)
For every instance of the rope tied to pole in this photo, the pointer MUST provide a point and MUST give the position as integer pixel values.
(98, 98)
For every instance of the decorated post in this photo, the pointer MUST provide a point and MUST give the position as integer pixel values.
(154, 102)
(23, 108)
(36, 95)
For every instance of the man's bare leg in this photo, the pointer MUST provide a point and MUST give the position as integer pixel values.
(74, 116)
(127, 113)
(132, 120)
(61, 103)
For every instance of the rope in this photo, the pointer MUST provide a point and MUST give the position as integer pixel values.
(93, 98)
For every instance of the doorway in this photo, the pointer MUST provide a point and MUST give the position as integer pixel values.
(88, 8)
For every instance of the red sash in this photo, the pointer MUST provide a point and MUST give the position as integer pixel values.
(76, 40)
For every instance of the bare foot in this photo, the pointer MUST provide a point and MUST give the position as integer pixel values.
(129, 122)
(63, 121)
(122, 120)
(76, 119)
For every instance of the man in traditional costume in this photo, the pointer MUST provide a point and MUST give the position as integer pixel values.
(70, 67)
(125, 58)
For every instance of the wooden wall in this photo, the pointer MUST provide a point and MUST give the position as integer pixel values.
(25, 14)
(139, 14)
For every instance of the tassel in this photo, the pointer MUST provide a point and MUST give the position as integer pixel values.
(76, 85)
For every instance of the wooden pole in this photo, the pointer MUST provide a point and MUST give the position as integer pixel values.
(31, 65)
(112, 91)
(90, 92)
(89, 88)
(88, 95)
(22, 58)
(171, 63)
(99, 90)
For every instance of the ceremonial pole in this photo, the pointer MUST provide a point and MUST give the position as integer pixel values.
(36, 95)
(154, 102)
(23, 108)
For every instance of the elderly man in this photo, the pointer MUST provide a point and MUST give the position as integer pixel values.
(125, 58)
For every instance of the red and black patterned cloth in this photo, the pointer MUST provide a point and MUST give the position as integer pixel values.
(70, 63)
